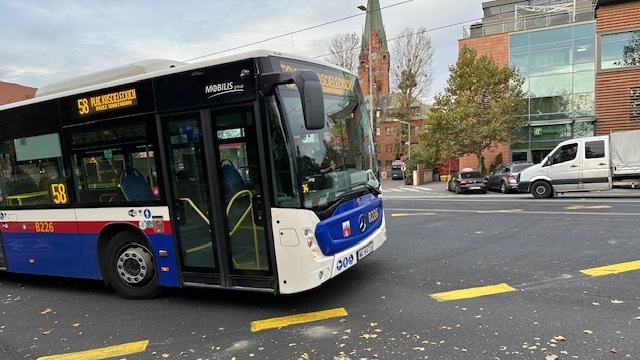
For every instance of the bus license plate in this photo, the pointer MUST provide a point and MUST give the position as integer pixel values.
(365, 251)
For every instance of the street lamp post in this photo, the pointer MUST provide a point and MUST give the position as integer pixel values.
(409, 130)
(364, 8)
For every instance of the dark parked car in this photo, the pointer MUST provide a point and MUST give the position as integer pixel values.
(396, 170)
(503, 178)
(467, 181)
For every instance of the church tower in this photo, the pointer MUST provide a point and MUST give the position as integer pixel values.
(374, 51)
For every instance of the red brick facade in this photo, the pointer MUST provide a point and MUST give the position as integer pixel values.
(10, 92)
(496, 47)
(613, 87)
(380, 64)
(387, 136)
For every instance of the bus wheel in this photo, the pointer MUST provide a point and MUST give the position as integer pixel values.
(541, 190)
(130, 268)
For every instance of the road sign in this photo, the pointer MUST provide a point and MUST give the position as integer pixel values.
(403, 168)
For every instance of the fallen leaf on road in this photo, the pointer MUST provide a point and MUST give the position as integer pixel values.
(614, 350)
(551, 357)
(45, 311)
(588, 332)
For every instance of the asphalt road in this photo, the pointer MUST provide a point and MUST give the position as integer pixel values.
(486, 276)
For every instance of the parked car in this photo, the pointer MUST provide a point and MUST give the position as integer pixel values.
(467, 181)
(503, 178)
(396, 170)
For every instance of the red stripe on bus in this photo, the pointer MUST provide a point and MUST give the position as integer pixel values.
(83, 227)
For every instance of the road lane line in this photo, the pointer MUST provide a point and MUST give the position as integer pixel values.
(283, 321)
(587, 207)
(612, 269)
(412, 214)
(102, 353)
(473, 292)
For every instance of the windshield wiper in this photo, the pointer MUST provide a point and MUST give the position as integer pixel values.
(350, 193)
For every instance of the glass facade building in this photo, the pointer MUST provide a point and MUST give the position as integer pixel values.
(559, 66)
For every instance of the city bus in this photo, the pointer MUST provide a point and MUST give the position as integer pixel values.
(256, 171)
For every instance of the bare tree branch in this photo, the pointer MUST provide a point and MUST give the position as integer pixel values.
(413, 57)
(344, 49)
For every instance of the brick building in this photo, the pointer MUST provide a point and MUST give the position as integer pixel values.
(581, 64)
(374, 56)
(618, 75)
(10, 92)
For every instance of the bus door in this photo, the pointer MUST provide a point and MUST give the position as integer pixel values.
(217, 195)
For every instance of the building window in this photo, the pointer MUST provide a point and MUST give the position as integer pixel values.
(634, 113)
(387, 131)
(388, 148)
(620, 50)
(377, 131)
(558, 66)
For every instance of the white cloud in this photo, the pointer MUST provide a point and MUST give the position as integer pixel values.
(53, 40)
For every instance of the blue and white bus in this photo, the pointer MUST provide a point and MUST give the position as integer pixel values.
(256, 171)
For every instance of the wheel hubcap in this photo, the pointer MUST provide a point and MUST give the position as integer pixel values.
(134, 264)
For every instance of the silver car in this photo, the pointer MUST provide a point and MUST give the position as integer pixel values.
(503, 178)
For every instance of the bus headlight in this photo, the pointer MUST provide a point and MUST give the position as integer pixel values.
(311, 239)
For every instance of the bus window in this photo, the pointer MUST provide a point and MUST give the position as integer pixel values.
(31, 169)
(114, 165)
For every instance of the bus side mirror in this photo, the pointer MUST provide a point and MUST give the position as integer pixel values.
(310, 89)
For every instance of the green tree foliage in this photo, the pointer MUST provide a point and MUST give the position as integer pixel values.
(422, 155)
(482, 104)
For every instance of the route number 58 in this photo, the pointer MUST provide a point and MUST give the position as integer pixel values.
(59, 193)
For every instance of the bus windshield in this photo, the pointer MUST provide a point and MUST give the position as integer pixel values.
(337, 162)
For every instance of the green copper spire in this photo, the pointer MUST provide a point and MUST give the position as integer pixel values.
(374, 22)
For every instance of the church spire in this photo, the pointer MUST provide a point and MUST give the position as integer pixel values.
(373, 22)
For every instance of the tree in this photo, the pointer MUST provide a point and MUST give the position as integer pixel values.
(411, 77)
(413, 53)
(482, 104)
(344, 49)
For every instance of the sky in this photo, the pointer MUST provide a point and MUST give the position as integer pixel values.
(47, 41)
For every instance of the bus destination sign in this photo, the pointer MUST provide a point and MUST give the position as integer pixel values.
(336, 83)
(105, 102)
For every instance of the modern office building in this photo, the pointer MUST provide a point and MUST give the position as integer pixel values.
(571, 54)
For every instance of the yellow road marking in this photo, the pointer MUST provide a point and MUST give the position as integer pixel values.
(613, 268)
(473, 292)
(587, 207)
(498, 211)
(411, 214)
(283, 321)
(102, 353)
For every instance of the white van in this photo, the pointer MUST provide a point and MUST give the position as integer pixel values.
(585, 164)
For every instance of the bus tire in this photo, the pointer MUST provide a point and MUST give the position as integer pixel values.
(130, 267)
(541, 190)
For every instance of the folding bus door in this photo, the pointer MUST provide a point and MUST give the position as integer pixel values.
(216, 188)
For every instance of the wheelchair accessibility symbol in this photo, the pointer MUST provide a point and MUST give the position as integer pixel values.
(345, 262)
